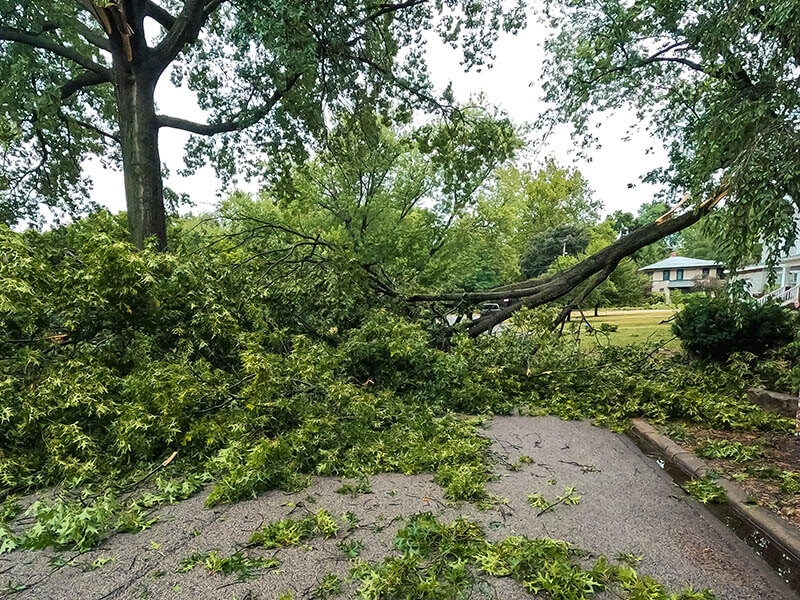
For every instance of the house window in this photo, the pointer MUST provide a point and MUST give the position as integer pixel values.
(706, 271)
(679, 275)
(665, 277)
(720, 273)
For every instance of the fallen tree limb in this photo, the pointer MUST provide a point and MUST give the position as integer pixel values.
(575, 302)
(535, 292)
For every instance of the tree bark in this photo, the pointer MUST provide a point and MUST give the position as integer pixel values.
(136, 70)
(138, 127)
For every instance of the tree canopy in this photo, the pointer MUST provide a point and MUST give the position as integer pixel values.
(545, 247)
(717, 83)
(79, 80)
(531, 201)
(401, 204)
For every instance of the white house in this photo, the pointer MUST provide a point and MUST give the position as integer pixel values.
(787, 273)
(786, 287)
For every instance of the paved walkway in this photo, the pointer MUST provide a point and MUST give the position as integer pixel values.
(628, 505)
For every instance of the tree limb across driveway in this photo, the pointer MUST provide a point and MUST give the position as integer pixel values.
(595, 268)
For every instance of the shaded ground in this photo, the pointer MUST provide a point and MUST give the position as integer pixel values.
(628, 505)
(772, 479)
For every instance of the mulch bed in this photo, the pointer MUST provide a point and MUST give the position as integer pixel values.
(758, 477)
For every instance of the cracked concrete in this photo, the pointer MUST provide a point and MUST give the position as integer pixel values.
(628, 505)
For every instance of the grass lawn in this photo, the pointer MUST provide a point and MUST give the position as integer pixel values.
(636, 326)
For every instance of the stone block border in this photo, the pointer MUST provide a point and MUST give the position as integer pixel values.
(785, 405)
(785, 536)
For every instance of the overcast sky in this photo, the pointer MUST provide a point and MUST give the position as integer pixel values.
(513, 84)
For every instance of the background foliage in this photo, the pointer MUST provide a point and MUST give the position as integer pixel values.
(717, 83)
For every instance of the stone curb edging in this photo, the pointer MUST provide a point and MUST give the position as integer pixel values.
(781, 533)
(786, 405)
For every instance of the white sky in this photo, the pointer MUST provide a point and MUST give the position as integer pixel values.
(511, 84)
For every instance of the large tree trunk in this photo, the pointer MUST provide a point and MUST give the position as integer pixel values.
(136, 71)
(138, 127)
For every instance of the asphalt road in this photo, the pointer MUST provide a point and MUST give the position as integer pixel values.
(628, 505)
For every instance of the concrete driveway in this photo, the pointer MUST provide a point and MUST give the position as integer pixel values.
(628, 505)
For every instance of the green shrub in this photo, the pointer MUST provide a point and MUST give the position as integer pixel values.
(716, 328)
(688, 297)
(656, 298)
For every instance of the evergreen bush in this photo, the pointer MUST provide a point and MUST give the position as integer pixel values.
(715, 328)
